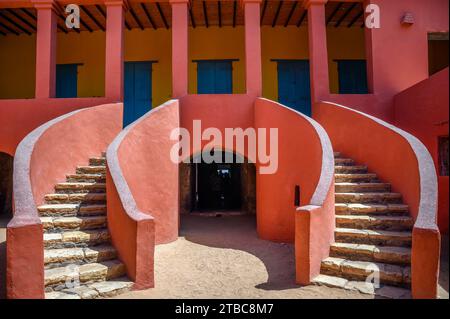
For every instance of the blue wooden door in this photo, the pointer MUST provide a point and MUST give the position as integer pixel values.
(352, 77)
(138, 90)
(66, 80)
(294, 85)
(214, 77)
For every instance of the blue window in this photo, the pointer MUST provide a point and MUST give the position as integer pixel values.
(214, 77)
(352, 77)
(294, 88)
(138, 90)
(66, 80)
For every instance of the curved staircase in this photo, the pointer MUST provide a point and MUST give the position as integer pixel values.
(372, 253)
(80, 262)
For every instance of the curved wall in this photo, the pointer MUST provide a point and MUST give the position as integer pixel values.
(42, 159)
(402, 160)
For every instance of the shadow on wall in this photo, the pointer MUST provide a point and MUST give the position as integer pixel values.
(239, 233)
(6, 176)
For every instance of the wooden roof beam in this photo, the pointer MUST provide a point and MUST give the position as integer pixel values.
(346, 13)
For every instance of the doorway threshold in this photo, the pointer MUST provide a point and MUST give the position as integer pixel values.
(218, 213)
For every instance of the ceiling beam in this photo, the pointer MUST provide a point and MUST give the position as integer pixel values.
(149, 17)
(8, 28)
(2, 33)
(219, 8)
(191, 14)
(18, 16)
(302, 18)
(234, 13)
(294, 6)
(336, 10)
(205, 14)
(161, 13)
(359, 15)
(346, 13)
(274, 22)
(135, 17)
(89, 14)
(14, 23)
(263, 13)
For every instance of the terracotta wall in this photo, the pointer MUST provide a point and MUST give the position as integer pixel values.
(43, 158)
(403, 161)
(422, 110)
(19, 117)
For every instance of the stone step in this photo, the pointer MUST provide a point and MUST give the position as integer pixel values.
(344, 162)
(356, 169)
(58, 224)
(100, 169)
(355, 178)
(362, 187)
(383, 254)
(371, 209)
(337, 154)
(92, 272)
(100, 289)
(373, 237)
(78, 238)
(75, 198)
(97, 161)
(374, 222)
(64, 256)
(362, 270)
(382, 291)
(66, 210)
(368, 198)
(70, 188)
(86, 178)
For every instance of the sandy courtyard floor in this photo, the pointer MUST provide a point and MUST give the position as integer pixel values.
(221, 257)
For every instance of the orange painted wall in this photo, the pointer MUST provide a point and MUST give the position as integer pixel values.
(423, 111)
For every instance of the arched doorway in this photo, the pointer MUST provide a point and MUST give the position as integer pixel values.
(6, 183)
(220, 185)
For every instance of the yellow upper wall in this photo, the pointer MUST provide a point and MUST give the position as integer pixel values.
(17, 66)
(343, 43)
(290, 43)
(216, 43)
(87, 49)
(17, 56)
(153, 45)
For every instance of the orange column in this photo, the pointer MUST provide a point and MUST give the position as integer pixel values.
(45, 49)
(180, 43)
(114, 68)
(253, 69)
(318, 54)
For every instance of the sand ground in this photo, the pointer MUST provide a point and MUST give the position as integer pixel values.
(223, 258)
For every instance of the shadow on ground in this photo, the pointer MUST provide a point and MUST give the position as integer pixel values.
(239, 233)
(3, 223)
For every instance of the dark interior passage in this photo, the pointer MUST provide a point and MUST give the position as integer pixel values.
(6, 183)
(438, 52)
(218, 186)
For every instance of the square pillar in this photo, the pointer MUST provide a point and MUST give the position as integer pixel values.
(45, 86)
(253, 68)
(114, 66)
(180, 44)
(318, 54)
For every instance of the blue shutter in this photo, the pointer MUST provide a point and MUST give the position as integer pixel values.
(66, 80)
(214, 77)
(352, 77)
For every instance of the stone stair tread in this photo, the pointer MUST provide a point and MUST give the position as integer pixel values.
(373, 232)
(391, 254)
(93, 254)
(65, 210)
(374, 222)
(367, 208)
(77, 236)
(383, 291)
(73, 222)
(85, 177)
(75, 198)
(361, 187)
(389, 273)
(85, 273)
(79, 184)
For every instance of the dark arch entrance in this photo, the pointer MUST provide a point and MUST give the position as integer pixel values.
(6, 183)
(218, 186)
